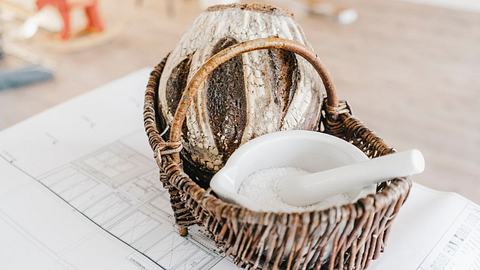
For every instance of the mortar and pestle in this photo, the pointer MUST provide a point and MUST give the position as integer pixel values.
(335, 167)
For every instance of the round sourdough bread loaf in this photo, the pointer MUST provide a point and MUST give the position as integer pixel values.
(250, 95)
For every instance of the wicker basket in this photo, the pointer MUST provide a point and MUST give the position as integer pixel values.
(264, 240)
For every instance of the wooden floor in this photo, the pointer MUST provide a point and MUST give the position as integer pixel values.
(410, 72)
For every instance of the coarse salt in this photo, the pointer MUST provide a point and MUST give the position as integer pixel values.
(261, 188)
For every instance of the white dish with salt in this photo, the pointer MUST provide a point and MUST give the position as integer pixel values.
(250, 176)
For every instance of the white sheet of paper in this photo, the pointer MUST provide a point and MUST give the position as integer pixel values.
(434, 230)
(79, 190)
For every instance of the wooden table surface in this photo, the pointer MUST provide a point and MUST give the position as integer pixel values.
(410, 72)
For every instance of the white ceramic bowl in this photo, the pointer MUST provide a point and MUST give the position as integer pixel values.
(307, 150)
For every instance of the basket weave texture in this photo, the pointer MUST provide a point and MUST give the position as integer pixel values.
(343, 237)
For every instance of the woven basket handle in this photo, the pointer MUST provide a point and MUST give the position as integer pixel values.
(223, 56)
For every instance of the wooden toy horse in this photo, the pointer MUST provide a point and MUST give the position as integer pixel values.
(94, 21)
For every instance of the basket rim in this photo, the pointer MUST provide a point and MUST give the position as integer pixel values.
(245, 215)
(390, 195)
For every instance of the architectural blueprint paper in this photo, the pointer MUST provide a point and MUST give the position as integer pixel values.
(79, 190)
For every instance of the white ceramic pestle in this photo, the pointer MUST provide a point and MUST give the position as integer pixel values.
(308, 189)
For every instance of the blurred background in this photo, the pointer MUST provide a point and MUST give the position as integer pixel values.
(410, 69)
